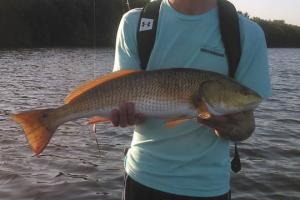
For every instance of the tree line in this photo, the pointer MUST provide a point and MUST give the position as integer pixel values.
(87, 23)
(280, 34)
(44, 23)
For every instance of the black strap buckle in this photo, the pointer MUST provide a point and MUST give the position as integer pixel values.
(236, 165)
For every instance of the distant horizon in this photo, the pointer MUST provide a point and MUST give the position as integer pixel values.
(287, 10)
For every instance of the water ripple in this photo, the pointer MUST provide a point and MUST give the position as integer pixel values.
(72, 167)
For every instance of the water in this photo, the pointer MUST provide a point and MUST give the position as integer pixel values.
(71, 166)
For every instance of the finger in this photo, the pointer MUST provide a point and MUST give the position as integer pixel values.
(207, 122)
(130, 113)
(220, 118)
(115, 117)
(214, 122)
(123, 115)
(239, 116)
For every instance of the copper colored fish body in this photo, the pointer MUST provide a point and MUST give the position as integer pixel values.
(179, 93)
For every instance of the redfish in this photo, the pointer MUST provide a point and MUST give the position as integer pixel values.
(175, 95)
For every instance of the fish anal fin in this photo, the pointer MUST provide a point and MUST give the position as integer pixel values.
(97, 119)
(94, 83)
(171, 123)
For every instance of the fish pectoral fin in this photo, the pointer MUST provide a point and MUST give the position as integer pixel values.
(97, 119)
(204, 115)
(203, 110)
(171, 123)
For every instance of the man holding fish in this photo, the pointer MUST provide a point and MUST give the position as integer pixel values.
(184, 116)
(191, 159)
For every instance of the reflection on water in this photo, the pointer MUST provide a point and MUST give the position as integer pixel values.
(71, 166)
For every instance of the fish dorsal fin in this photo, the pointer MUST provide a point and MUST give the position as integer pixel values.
(94, 83)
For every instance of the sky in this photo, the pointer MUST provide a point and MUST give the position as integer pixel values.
(287, 10)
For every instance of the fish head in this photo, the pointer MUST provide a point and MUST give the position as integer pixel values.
(226, 96)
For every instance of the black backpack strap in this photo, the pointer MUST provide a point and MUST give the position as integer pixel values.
(230, 32)
(147, 31)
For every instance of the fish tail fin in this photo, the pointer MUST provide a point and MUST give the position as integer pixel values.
(38, 126)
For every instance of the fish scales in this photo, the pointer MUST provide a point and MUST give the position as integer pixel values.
(148, 91)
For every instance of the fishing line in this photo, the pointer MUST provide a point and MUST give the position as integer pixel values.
(98, 144)
(94, 131)
(94, 38)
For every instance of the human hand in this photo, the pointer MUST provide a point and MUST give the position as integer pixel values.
(235, 127)
(126, 115)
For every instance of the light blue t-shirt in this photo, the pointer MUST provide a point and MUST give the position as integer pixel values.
(189, 159)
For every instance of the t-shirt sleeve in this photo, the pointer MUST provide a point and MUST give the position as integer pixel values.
(253, 69)
(126, 54)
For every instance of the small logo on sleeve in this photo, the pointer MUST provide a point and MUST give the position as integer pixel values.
(146, 24)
